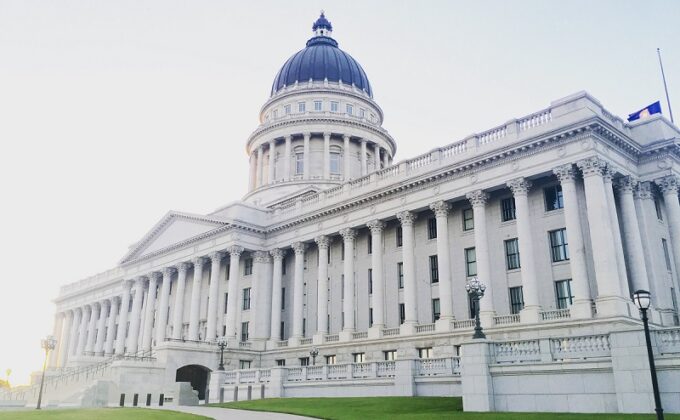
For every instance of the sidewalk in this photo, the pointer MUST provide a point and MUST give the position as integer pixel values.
(231, 414)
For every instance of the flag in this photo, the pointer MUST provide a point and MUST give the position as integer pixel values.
(645, 112)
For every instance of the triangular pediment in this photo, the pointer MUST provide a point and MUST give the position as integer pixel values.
(173, 229)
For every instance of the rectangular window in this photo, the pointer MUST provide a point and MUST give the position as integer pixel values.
(244, 364)
(334, 107)
(425, 353)
(244, 331)
(359, 357)
(508, 209)
(400, 274)
(280, 362)
(558, 245)
(226, 300)
(246, 299)
(350, 109)
(275, 113)
(390, 355)
(304, 361)
(435, 310)
(402, 313)
(370, 281)
(399, 235)
(553, 198)
(283, 298)
(470, 262)
(370, 317)
(516, 299)
(299, 164)
(317, 105)
(666, 254)
(362, 113)
(248, 267)
(468, 219)
(335, 163)
(301, 107)
(657, 206)
(282, 330)
(330, 359)
(286, 109)
(432, 228)
(563, 294)
(369, 243)
(472, 304)
(434, 269)
(512, 254)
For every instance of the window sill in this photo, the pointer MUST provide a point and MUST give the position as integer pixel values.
(514, 270)
(559, 263)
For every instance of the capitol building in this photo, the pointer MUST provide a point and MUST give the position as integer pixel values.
(343, 272)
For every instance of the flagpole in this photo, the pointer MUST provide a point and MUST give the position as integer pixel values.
(663, 76)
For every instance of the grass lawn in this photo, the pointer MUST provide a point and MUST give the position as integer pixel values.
(391, 408)
(97, 414)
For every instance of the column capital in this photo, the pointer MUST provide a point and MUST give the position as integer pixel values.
(235, 250)
(565, 173)
(261, 257)
(592, 166)
(104, 302)
(609, 171)
(643, 191)
(182, 267)
(327, 135)
(667, 184)
(272, 142)
(322, 241)
(376, 226)
(216, 256)
(140, 280)
(277, 254)
(519, 186)
(114, 300)
(288, 137)
(299, 248)
(626, 184)
(477, 198)
(127, 284)
(168, 272)
(307, 135)
(198, 262)
(346, 137)
(155, 276)
(407, 218)
(440, 208)
(348, 234)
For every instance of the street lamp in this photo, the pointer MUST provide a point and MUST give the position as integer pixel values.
(314, 352)
(642, 300)
(48, 344)
(222, 344)
(475, 290)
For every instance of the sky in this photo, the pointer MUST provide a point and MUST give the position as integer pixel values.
(113, 113)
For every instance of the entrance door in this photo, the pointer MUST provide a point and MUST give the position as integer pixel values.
(197, 375)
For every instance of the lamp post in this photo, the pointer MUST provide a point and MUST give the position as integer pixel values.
(222, 344)
(475, 290)
(642, 300)
(314, 352)
(48, 344)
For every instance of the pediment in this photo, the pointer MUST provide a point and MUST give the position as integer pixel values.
(173, 229)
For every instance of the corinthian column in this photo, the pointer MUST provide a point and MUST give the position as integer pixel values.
(346, 159)
(150, 309)
(261, 296)
(348, 237)
(298, 289)
(277, 277)
(194, 311)
(111, 326)
(65, 339)
(410, 291)
(178, 311)
(616, 230)
(631, 231)
(322, 244)
(478, 200)
(582, 306)
(163, 305)
(376, 227)
(75, 328)
(232, 305)
(609, 300)
(135, 317)
(213, 295)
(520, 190)
(91, 330)
(101, 328)
(121, 332)
(441, 212)
(272, 160)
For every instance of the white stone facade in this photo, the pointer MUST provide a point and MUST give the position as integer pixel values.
(337, 246)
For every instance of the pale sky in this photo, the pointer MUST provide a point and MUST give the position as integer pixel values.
(114, 112)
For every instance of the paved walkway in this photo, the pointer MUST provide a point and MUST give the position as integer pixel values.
(231, 414)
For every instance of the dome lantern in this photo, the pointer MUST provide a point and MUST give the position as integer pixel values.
(322, 27)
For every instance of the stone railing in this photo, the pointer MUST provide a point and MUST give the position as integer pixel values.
(332, 338)
(447, 366)
(517, 351)
(424, 328)
(552, 349)
(506, 319)
(390, 332)
(668, 341)
(580, 347)
(245, 344)
(464, 323)
(555, 314)
(305, 341)
(361, 335)
(283, 343)
(385, 369)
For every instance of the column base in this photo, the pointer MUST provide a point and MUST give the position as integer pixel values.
(375, 332)
(612, 306)
(318, 338)
(581, 309)
(345, 335)
(443, 325)
(530, 315)
(407, 328)
(486, 318)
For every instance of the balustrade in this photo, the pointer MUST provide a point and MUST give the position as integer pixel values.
(580, 347)
(424, 328)
(555, 314)
(506, 319)
(517, 351)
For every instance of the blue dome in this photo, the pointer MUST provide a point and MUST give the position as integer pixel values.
(320, 60)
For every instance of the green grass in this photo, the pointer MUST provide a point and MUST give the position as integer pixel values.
(97, 414)
(392, 408)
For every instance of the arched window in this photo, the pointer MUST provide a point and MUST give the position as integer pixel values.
(336, 160)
